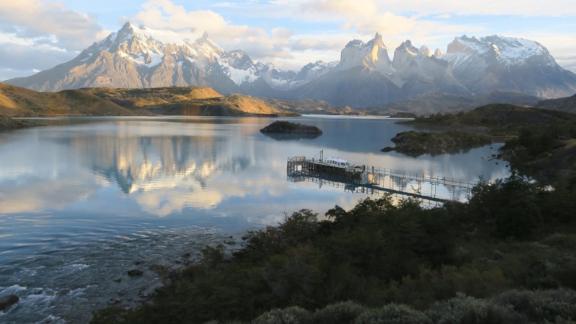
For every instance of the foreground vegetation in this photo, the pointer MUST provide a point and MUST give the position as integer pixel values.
(507, 256)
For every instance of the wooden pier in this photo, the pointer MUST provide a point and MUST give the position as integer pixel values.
(362, 177)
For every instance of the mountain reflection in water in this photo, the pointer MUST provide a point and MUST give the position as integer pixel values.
(166, 167)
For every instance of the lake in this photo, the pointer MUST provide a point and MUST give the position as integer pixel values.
(83, 202)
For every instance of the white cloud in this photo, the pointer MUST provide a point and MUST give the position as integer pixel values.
(34, 18)
(366, 17)
(276, 45)
(22, 56)
(480, 7)
(38, 34)
(25, 54)
(443, 8)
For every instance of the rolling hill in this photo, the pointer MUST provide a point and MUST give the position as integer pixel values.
(560, 104)
(15, 101)
(204, 101)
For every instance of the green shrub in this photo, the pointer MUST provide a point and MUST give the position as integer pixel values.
(393, 314)
(431, 285)
(470, 310)
(290, 315)
(541, 306)
(509, 209)
(340, 313)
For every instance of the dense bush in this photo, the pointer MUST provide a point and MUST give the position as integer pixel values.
(290, 315)
(393, 314)
(339, 313)
(510, 209)
(541, 306)
(470, 310)
(444, 283)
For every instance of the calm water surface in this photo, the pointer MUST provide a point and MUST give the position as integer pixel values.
(80, 204)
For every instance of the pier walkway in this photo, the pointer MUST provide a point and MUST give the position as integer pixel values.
(362, 178)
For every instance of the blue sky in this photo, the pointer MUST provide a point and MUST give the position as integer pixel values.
(38, 34)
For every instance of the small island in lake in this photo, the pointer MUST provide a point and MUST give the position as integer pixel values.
(286, 130)
(417, 143)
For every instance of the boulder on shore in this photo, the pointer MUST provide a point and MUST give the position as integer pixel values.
(135, 273)
(7, 301)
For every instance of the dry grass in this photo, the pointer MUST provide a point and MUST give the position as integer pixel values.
(15, 101)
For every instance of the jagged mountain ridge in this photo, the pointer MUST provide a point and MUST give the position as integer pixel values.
(365, 75)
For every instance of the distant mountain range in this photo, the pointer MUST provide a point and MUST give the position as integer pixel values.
(365, 75)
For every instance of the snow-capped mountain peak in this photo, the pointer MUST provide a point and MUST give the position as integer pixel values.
(506, 50)
(372, 55)
(207, 47)
(508, 64)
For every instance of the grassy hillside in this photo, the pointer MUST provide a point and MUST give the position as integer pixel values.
(562, 104)
(155, 97)
(414, 143)
(200, 101)
(500, 119)
(15, 101)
